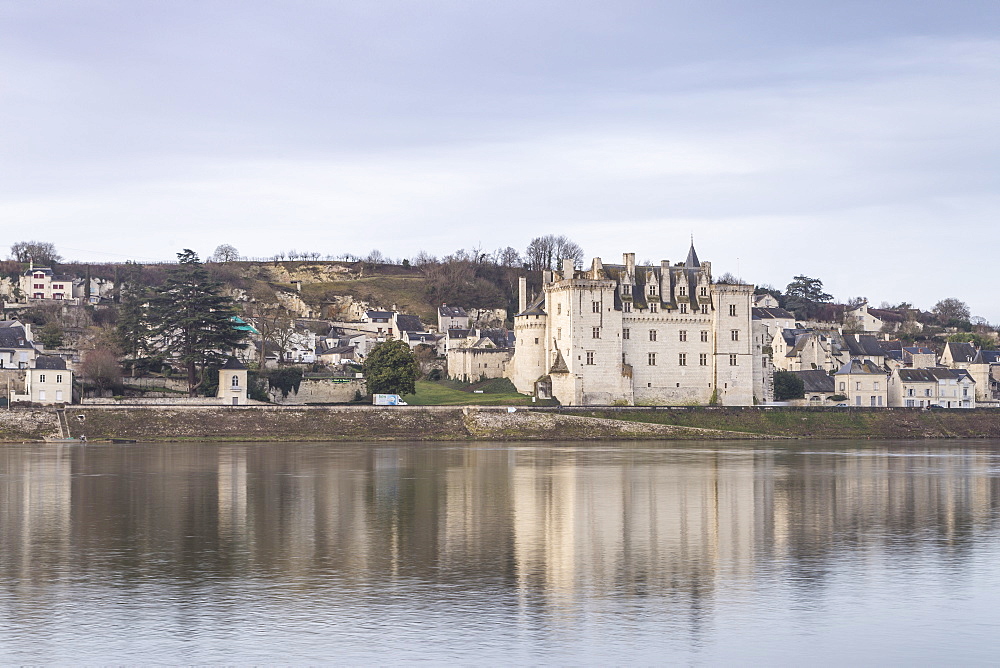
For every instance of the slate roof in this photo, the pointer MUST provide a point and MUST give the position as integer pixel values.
(14, 337)
(379, 315)
(234, 364)
(987, 357)
(456, 333)
(446, 311)
(50, 362)
(409, 323)
(535, 307)
(932, 375)
(962, 352)
(762, 313)
(559, 366)
(815, 380)
(861, 367)
(863, 345)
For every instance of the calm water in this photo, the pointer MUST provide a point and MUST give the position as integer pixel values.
(818, 552)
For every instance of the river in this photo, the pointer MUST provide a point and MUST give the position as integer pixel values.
(826, 552)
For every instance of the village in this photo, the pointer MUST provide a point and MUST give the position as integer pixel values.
(628, 334)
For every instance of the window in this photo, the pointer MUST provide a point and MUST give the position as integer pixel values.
(627, 307)
(625, 333)
(652, 335)
(653, 307)
(704, 291)
(536, 340)
(909, 392)
(590, 358)
(651, 359)
(596, 332)
(857, 386)
(558, 332)
(704, 309)
(704, 336)
(41, 395)
(735, 335)
(872, 401)
(683, 335)
(909, 403)
(876, 386)
(965, 391)
(703, 359)
(843, 386)
(857, 400)
(39, 286)
(558, 309)
(652, 288)
(732, 309)
(684, 307)
(880, 400)
(927, 392)
(236, 381)
(682, 291)
(59, 395)
(596, 306)
(41, 378)
(732, 360)
(58, 377)
(682, 359)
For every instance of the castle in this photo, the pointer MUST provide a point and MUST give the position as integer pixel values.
(637, 335)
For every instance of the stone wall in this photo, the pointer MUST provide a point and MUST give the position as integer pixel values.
(322, 391)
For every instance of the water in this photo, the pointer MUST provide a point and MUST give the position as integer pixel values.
(485, 553)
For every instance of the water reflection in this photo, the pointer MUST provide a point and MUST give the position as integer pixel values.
(542, 545)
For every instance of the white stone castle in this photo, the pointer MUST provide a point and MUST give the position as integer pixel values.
(636, 335)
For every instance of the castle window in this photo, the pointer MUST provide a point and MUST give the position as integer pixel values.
(559, 333)
(682, 291)
(704, 309)
(704, 292)
(596, 332)
(590, 358)
(732, 360)
(627, 307)
(652, 289)
(732, 309)
(651, 359)
(536, 341)
(652, 335)
(703, 359)
(704, 336)
(735, 334)
(682, 335)
(653, 307)
(684, 307)
(596, 306)
(625, 333)
(682, 359)
(558, 309)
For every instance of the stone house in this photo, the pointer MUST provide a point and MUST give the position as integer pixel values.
(817, 386)
(938, 386)
(958, 355)
(233, 384)
(864, 383)
(42, 283)
(452, 317)
(48, 381)
(483, 354)
(985, 371)
(634, 334)
(16, 348)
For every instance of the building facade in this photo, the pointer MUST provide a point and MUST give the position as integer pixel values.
(642, 335)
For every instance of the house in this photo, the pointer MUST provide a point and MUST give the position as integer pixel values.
(818, 386)
(868, 320)
(452, 317)
(42, 283)
(16, 348)
(48, 382)
(938, 386)
(865, 347)
(863, 382)
(918, 357)
(335, 356)
(985, 371)
(233, 385)
(958, 355)
(660, 334)
(804, 349)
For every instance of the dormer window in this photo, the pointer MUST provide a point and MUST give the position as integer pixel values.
(682, 291)
(704, 292)
(652, 289)
(39, 276)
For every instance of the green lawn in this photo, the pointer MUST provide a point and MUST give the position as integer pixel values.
(447, 393)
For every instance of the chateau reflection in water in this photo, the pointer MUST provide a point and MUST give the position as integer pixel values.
(540, 523)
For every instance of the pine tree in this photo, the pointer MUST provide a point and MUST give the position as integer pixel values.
(192, 322)
(132, 331)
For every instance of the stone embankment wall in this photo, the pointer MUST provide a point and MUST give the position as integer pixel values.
(433, 423)
(322, 391)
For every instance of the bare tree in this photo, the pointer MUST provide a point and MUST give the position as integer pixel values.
(100, 366)
(952, 311)
(40, 252)
(225, 253)
(548, 252)
(507, 257)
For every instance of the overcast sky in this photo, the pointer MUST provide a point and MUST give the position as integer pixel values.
(856, 142)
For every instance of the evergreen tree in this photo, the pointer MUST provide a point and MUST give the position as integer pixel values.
(788, 386)
(391, 368)
(132, 331)
(192, 322)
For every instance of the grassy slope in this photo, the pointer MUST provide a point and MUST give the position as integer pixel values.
(447, 393)
(408, 293)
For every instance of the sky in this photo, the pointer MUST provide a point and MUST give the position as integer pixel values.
(852, 141)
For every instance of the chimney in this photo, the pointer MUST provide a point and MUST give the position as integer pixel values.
(522, 294)
(547, 276)
(567, 268)
(629, 260)
(596, 269)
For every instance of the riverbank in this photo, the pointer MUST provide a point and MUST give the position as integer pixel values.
(453, 423)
